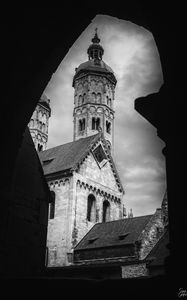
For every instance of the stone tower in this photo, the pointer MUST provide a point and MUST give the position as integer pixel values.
(39, 122)
(94, 83)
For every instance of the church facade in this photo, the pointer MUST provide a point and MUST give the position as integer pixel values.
(81, 174)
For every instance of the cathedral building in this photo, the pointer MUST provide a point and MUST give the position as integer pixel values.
(81, 174)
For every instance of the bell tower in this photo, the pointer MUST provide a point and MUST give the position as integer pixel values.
(94, 83)
(39, 123)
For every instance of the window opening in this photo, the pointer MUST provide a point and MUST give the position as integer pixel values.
(91, 208)
(106, 211)
(52, 205)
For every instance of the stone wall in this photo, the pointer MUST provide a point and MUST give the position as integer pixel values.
(94, 96)
(59, 228)
(132, 271)
(104, 176)
(107, 253)
(70, 222)
(151, 234)
(90, 179)
(23, 230)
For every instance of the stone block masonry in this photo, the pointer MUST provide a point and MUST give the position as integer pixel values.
(132, 271)
(151, 234)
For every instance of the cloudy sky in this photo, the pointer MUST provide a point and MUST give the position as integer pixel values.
(131, 52)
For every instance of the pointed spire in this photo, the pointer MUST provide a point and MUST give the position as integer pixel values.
(95, 50)
(130, 214)
(124, 211)
(96, 39)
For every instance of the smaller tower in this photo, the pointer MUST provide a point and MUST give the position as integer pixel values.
(130, 214)
(39, 122)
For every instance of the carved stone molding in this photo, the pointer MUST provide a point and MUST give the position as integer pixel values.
(98, 191)
(58, 183)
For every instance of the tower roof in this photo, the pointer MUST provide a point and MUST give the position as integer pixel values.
(95, 50)
(45, 101)
(90, 65)
(95, 64)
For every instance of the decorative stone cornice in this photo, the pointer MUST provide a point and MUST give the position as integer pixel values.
(57, 183)
(96, 105)
(98, 191)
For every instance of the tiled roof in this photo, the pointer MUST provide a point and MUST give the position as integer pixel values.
(90, 65)
(65, 156)
(114, 233)
(159, 251)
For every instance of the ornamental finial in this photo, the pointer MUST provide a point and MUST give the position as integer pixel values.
(96, 39)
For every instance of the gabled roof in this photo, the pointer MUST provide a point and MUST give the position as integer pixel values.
(66, 157)
(114, 233)
(159, 252)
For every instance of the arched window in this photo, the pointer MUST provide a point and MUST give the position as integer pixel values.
(93, 123)
(107, 100)
(84, 99)
(108, 127)
(106, 211)
(81, 125)
(98, 97)
(40, 115)
(91, 208)
(44, 118)
(80, 100)
(31, 123)
(97, 123)
(93, 97)
(40, 125)
(40, 147)
(52, 205)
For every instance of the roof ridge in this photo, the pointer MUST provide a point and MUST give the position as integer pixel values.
(150, 215)
(82, 155)
(55, 147)
(112, 162)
